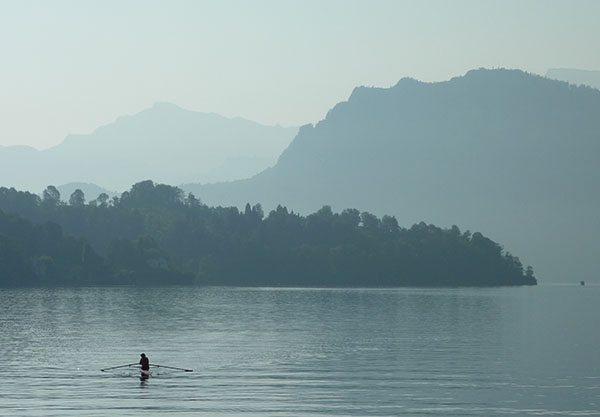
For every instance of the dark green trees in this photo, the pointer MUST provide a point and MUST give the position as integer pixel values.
(40, 255)
(155, 234)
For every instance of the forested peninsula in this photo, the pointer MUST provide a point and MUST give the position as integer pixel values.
(154, 234)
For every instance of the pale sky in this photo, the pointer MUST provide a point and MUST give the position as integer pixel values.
(71, 66)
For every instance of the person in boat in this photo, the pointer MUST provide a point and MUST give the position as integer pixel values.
(145, 366)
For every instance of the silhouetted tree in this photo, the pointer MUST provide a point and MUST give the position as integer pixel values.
(77, 198)
(257, 210)
(351, 217)
(192, 201)
(369, 221)
(102, 199)
(389, 224)
(51, 196)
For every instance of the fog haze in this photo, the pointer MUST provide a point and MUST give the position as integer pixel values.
(164, 142)
(576, 76)
(509, 153)
(99, 96)
(299, 208)
(71, 66)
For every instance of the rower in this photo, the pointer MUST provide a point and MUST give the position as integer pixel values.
(145, 366)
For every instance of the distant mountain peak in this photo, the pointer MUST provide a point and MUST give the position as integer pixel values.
(482, 71)
(166, 106)
(489, 76)
(164, 142)
(19, 148)
(407, 81)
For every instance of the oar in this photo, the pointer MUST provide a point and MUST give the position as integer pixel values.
(172, 367)
(120, 366)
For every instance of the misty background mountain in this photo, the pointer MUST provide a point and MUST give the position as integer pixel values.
(165, 143)
(575, 76)
(90, 190)
(508, 153)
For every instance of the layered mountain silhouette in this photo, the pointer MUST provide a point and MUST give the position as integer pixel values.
(165, 143)
(575, 76)
(514, 155)
(90, 191)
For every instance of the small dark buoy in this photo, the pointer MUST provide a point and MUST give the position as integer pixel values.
(582, 283)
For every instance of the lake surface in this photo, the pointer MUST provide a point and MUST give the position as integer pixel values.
(530, 351)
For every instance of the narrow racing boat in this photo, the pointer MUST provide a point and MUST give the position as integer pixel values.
(145, 374)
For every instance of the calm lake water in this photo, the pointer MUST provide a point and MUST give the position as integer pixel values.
(302, 352)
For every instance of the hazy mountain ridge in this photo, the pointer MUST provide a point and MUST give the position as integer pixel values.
(588, 78)
(91, 191)
(502, 151)
(164, 142)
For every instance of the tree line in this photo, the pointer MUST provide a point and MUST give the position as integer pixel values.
(155, 234)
